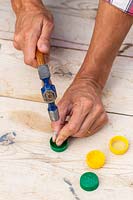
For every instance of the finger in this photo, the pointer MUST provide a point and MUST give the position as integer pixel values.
(16, 45)
(99, 124)
(54, 136)
(56, 126)
(16, 41)
(72, 127)
(43, 43)
(30, 48)
(90, 119)
(63, 109)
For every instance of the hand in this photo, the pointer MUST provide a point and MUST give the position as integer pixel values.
(33, 29)
(82, 103)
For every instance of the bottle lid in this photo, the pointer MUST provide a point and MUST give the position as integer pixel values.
(89, 181)
(118, 145)
(95, 159)
(56, 148)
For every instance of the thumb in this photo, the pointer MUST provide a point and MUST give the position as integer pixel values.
(43, 43)
(58, 125)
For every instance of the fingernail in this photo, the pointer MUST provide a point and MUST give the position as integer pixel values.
(44, 47)
(59, 142)
(54, 136)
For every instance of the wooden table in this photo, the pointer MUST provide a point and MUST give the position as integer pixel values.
(29, 170)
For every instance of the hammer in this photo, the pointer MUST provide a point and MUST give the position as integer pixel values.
(48, 90)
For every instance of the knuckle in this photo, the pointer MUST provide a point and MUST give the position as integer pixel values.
(88, 103)
(72, 128)
(50, 18)
(17, 38)
(26, 35)
(50, 24)
(49, 21)
(99, 108)
(16, 45)
(63, 104)
(28, 61)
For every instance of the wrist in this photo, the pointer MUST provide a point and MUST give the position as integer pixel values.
(87, 81)
(97, 75)
(96, 68)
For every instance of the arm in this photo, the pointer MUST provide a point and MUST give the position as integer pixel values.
(82, 101)
(34, 25)
(111, 27)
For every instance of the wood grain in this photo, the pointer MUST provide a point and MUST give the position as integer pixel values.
(29, 169)
(20, 81)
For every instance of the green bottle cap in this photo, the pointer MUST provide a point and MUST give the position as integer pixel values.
(89, 181)
(56, 148)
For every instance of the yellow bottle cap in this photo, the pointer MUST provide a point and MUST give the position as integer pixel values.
(118, 145)
(95, 159)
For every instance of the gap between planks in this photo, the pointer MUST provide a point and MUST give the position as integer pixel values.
(120, 53)
(109, 112)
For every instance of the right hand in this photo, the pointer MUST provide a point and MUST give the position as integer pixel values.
(82, 104)
(33, 30)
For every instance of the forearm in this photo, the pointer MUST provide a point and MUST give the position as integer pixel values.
(111, 28)
(25, 4)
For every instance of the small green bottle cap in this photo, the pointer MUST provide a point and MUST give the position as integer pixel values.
(89, 181)
(56, 148)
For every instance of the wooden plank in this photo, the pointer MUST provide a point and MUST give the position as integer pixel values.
(29, 169)
(78, 8)
(126, 50)
(20, 81)
(67, 14)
